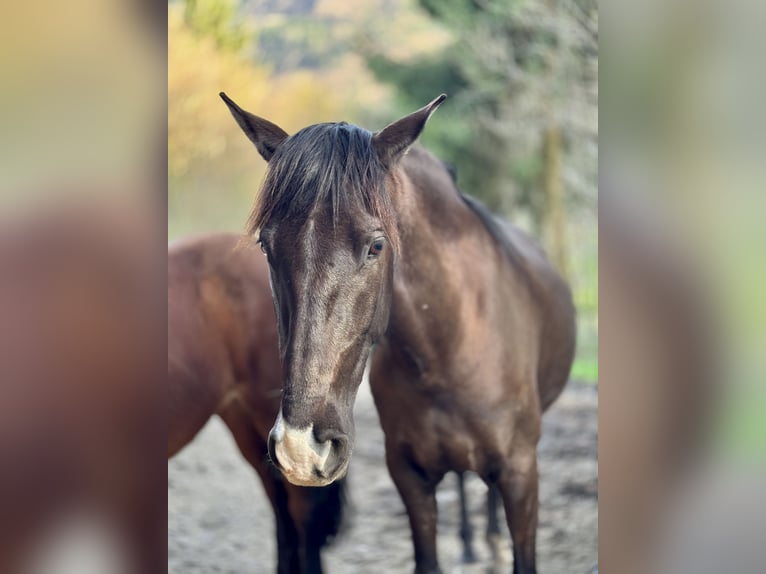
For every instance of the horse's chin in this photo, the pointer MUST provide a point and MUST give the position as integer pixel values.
(315, 479)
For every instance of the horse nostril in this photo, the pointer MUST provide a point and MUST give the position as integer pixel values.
(340, 446)
(323, 435)
(340, 450)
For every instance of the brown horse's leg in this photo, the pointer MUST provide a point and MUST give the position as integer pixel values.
(191, 403)
(311, 558)
(289, 554)
(466, 529)
(495, 539)
(254, 449)
(300, 506)
(518, 486)
(418, 491)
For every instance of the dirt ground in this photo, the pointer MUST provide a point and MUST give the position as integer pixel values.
(219, 520)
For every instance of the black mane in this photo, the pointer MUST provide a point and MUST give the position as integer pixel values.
(331, 163)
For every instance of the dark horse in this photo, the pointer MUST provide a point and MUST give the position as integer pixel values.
(223, 359)
(475, 330)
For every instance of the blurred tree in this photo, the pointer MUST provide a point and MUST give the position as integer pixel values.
(217, 19)
(522, 122)
(213, 169)
(203, 60)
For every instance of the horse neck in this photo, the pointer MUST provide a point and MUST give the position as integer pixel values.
(436, 271)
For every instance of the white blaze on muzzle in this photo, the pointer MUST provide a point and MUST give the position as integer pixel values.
(300, 456)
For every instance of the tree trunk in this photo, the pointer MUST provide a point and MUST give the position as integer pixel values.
(554, 217)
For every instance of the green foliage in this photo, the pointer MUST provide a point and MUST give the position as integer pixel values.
(419, 77)
(217, 19)
(300, 42)
(455, 136)
(585, 370)
(509, 72)
(450, 11)
(742, 424)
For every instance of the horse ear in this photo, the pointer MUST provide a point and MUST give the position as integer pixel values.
(394, 140)
(265, 135)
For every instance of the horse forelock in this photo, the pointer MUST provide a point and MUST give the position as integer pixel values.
(331, 164)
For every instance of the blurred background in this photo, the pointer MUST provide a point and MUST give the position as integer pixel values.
(82, 285)
(520, 125)
(682, 206)
(682, 439)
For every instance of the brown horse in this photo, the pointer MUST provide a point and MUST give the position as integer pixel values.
(474, 329)
(223, 359)
(81, 381)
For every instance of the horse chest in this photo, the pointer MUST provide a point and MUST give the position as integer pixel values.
(430, 415)
(445, 442)
(434, 429)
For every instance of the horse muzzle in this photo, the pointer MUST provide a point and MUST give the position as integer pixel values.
(304, 460)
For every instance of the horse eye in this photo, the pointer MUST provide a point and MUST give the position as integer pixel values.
(263, 249)
(376, 247)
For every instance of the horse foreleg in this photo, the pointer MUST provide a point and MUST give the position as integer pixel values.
(311, 558)
(466, 529)
(254, 449)
(418, 492)
(301, 506)
(518, 487)
(495, 539)
(289, 559)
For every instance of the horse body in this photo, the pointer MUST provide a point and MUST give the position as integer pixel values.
(474, 328)
(223, 359)
(222, 345)
(472, 355)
